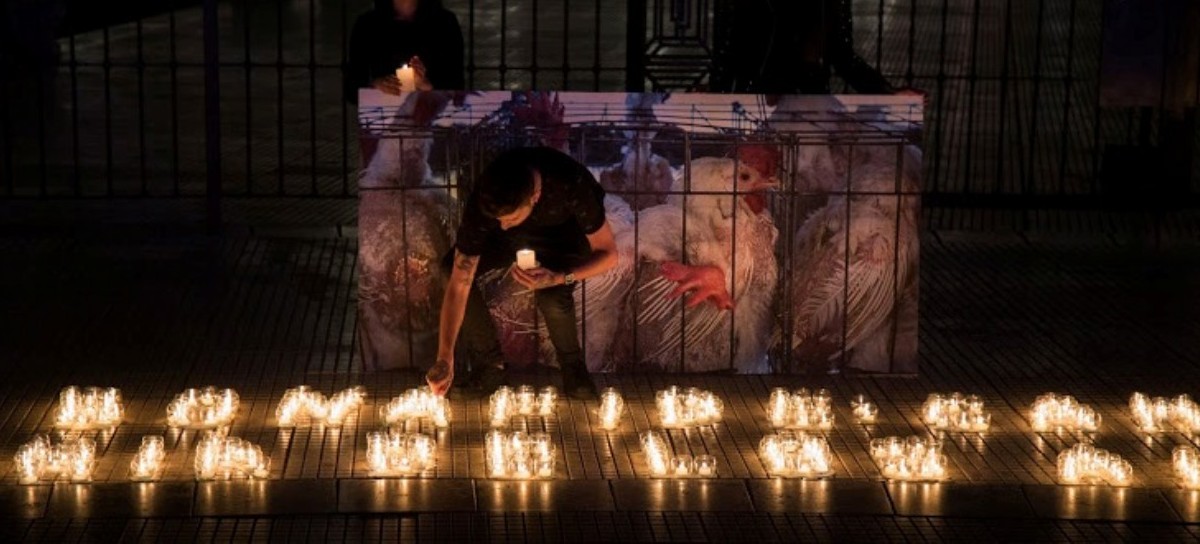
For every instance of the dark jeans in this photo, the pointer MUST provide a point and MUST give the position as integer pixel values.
(557, 304)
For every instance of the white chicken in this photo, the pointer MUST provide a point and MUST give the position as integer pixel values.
(871, 300)
(643, 177)
(730, 250)
(404, 231)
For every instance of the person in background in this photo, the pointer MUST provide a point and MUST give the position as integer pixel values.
(420, 33)
(528, 198)
(790, 47)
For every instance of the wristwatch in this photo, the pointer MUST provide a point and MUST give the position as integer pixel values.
(569, 278)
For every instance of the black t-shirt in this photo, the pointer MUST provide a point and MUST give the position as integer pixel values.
(570, 208)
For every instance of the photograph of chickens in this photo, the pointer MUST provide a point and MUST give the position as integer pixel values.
(755, 234)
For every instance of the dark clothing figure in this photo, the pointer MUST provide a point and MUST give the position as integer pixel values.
(380, 43)
(790, 46)
(571, 207)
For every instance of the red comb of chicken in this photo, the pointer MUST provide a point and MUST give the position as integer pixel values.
(544, 112)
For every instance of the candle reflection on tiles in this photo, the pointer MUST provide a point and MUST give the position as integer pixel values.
(1156, 414)
(519, 455)
(1185, 462)
(955, 412)
(203, 408)
(912, 459)
(86, 408)
(1084, 463)
(1051, 412)
(796, 455)
(612, 405)
(801, 410)
(864, 410)
(414, 405)
(678, 408)
(147, 463)
(302, 406)
(220, 457)
(664, 463)
(507, 403)
(392, 453)
(41, 459)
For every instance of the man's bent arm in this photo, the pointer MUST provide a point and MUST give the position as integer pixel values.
(604, 254)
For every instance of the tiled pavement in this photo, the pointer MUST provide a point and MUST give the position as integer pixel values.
(153, 310)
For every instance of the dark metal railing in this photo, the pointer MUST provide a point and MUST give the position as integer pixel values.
(243, 99)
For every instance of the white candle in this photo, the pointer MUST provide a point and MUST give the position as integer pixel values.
(526, 259)
(407, 77)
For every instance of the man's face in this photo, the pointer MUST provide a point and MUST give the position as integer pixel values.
(522, 212)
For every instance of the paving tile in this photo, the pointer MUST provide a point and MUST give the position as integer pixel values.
(820, 496)
(682, 495)
(1186, 503)
(545, 496)
(261, 498)
(1099, 503)
(157, 499)
(23, 501)
(378, 495)
(959, 500)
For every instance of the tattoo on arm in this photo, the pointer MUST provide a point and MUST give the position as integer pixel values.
(466, 266)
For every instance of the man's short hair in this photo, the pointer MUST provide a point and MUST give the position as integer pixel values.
(505, 184)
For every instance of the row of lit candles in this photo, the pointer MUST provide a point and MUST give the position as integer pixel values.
(203, 408)
(87, 408)
(518, 455)
(1084, 463)
(507, 402)
(664, 462)
(220, 457)
(801, 410)
(955, 412)
(1052, 412)
(394, 453)
(414, 405)
(796, 455)
(690, 407)
(912, 459)
(40, 459)
(1155, 414)
(303, 405)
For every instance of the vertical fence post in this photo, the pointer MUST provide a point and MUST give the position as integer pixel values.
(212, 118)
(635, 45)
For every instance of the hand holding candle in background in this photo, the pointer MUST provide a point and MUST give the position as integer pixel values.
(407, 77)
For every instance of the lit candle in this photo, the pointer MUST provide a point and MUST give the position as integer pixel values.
(519, 456)
(526, 259)
(690, 408)
(788, 455)
(911, 459)
(415, 405)
(221, 457)
(955, 413)
(706, 465)
(611, 407)
(407, 77)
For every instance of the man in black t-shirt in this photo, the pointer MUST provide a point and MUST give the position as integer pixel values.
(528, 198)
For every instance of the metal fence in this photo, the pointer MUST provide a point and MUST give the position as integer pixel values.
(244, 98)
(819, 243)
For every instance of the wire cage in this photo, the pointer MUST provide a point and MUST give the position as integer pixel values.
(755, 234)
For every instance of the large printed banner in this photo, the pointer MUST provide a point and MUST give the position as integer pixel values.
(803, 209)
